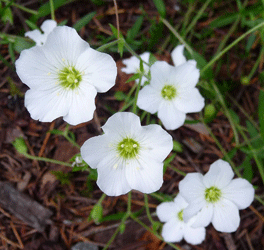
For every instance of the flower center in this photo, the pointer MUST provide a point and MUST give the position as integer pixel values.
(180, 215)
(212, 194)
(70, 77)
(128, 148)
(168, 92)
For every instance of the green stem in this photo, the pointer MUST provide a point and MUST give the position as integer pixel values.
(147, 209)
(111, 239)
(106, 46)
(37, 158)
(209, 64)
(33, 12)
(196, 18)
(176, 34)
(52, 12)
(136, 96)
(254, 68)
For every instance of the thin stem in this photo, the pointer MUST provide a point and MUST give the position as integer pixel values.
(33, 12)
(176, 34)
(52, 12)
(37, 158)
(136, 96)
(209, 64)
(117, 19)
(107, 45)
(196, 18)
(111, 239)
(147, 209)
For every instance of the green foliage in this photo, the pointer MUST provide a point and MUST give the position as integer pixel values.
(64, 178)
(160, 5)
(20, 145)
(97, 213)
(261, 112)
(84, 21)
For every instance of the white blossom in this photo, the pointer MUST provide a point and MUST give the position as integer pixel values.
(37, 36)
(64, 76)
(171, 92)
(128, 156)
(133, 66)
(215, 197)
(175, 229)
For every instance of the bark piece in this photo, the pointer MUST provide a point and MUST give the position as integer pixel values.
(23, 207)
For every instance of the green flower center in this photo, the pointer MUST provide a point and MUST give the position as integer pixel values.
(212, 194)
(128, 148)
(69, 77)
(180, 215)
(168, 92)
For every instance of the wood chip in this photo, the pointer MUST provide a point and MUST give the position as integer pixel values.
(23, 207)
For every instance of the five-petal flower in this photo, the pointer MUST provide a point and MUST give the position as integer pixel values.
(37, 36)
(175, 229)
(64, 76)
(215, 197)
(172, 91)
(128, 156)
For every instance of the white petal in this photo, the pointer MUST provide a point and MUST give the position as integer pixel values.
(204, 217)
(36, 36)
(47, 105)
(145, 57)
(177, 55)
(144, 175)
(122, 124)
(170, 116)
(94, 148)
(189, 101)
(112, 177)
(156, 143)
(149, 99)
(194, 236)
(35, 70)
(99, 69)
(193, 209)
(239, 191)
(184, 76)
(172, 231)
(160, 74)
(132, 65)
(165, 211)
(192, 187)
(82, 105)
(48, 26)
(220, 174)
(180, 202)
(226, 216)
(64, 46)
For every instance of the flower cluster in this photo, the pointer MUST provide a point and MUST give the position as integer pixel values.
(64, 74)
(214, 197)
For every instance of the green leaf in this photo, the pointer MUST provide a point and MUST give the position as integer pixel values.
(160, 7)
(7, 16)
(20, 145)
(248, 170)
(177, 147)
(134, 77)
(134, 30)
(120, 96)
(261, 112)
(122, 227)
(84, 21)
(21, 44)
(97, 213)
(224, 20)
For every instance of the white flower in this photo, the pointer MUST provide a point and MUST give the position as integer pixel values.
(128, 156)
(64, 76)
(133, 66)
(215, 197)
(172, 91)
(37, 36)
(175, 229)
